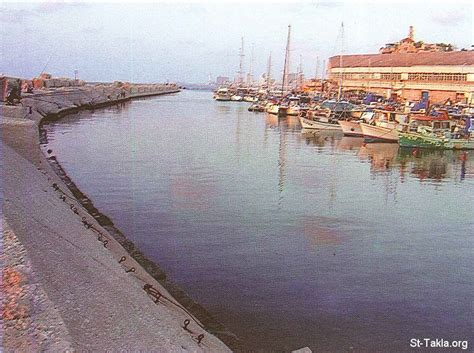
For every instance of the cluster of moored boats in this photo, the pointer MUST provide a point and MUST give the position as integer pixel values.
(440, 127)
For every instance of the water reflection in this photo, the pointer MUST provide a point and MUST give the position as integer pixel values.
(424, 165)
(266, 212)
(387, 161)
(321, 231)
(327, 139)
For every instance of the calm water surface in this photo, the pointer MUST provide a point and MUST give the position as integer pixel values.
(289, 239)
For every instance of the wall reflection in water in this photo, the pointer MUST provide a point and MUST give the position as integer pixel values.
(422, 164)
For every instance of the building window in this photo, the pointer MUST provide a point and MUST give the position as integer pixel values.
(390, 76)
(422, 76)
(352, 76)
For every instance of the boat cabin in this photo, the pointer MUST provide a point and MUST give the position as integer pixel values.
(440, 124)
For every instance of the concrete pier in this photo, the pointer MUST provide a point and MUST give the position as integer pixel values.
(68, 284)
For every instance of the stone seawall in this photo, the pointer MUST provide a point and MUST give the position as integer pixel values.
(68, 280)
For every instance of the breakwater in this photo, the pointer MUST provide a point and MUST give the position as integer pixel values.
(72, 280)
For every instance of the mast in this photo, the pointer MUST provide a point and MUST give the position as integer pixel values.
(317, 69)
(240, 78)
(299, 78)
(339, 94)
(287, 62)
(250, 76)
(370, 75)
(269, 71)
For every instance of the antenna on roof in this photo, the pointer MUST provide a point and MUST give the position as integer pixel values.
(411, 33)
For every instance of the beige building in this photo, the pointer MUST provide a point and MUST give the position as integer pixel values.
(438, 76)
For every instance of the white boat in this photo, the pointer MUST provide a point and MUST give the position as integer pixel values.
(272, 108)
(318, 124)
(383, 127)
(236, 98)
(222, 94)
(380, 132)
(351, 128)
(250, 99)
(293, 110)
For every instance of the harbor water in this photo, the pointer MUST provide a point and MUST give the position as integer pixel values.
(289, 239)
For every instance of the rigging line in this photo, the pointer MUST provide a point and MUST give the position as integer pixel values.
(44, 68)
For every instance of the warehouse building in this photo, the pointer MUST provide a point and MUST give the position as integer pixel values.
(434, 75)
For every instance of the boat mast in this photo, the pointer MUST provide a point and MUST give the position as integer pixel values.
(269, 71)
(287, 63)
(317, 69)
(370, 76)
(323, 72)
(240, 78)
(250, 76)
(339, 94)
(299, 79)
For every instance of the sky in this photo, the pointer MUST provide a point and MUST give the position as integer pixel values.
(187, 42)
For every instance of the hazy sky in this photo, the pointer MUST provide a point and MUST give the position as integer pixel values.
(187, 42)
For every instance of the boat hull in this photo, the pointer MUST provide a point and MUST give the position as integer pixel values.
(222, 98)
(249, 99)
(414, 140)
(351, 128)
(273, 109)
(282, 111)
(312, 124)
(379, 133)
(293, 111)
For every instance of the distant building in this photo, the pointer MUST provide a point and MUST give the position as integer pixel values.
(222, 80)
(409, 45)
(437, 76)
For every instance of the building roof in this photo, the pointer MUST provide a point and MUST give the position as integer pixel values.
(404, 59)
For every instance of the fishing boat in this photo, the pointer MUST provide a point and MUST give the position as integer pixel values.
(293, 106)
(283, 109)
(415, 140)
(250, 99)
(337, 109)
(322, 123)
(222, 94)
(384, 126)
(357, 111)
(437, 132)
(352, 127)
(383, 131)
(256, 107)
(236, 98)
(272, 108)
